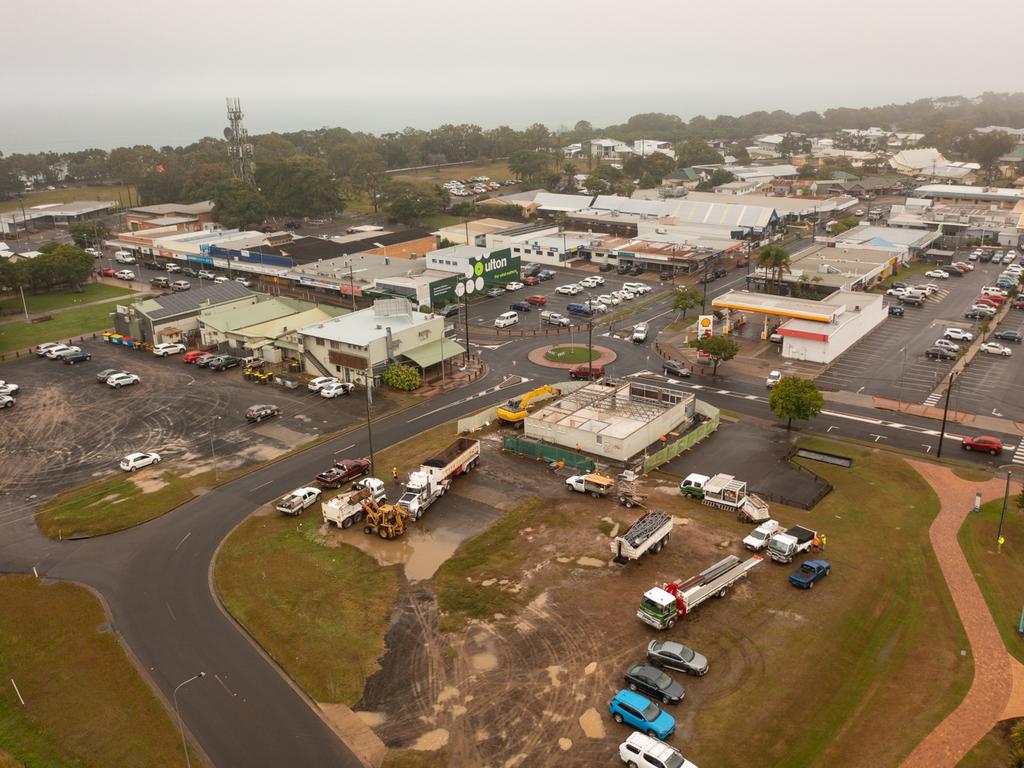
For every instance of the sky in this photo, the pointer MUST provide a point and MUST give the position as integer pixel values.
(118, 73)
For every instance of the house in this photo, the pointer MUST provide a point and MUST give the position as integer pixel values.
(272, 339)
(174, 317)
(736, 188)
(362, 344)
(684, 177)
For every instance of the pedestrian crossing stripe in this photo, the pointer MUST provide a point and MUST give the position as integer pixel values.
(1018, 455)
(933, 398)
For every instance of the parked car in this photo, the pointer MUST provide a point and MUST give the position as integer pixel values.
(669, 654)
(123, 257)
(896, 311)
(495, 292)
(597, 306)
(8, 388)
(992, 290)
(167, 348)
(259, 412)
(190, 272)
(641, 713)
(135, 461)
(58, 351)
(119, 380)
(244, 281)
(181, 285)
(124, 274)
(151, 265)
(579, 309)
(160, 282)
(106, 272)
(940, 353)
(809, 572)
(321, 381)
(514, 286)
(569, 290)
(106, 373)
(947, 344)
(977, 312)
(206, 274)
(586, 372)
(673, 368)
(333, 389)
(506, 319)
(637, 288)
(993, 299)
(609, 299)
(897, 292)
(171, 267)
(94, 252)
(546, 274)
(521, 306)
(958, 334)
(992, 348)
(1008, 335)
(554, 318)
(42, 349)
(643, 750)
(193, 355)
(531, 280)
(606, 267)
(951, 271)
(654, 682)
(80, 356)
(223, 362)
(537, 301)
(985, 443)
(205, 359)
(774, 377)
(6, 401)
(353, 468)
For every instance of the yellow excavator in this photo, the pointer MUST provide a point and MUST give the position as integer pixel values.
(514, 411)
(386, 520)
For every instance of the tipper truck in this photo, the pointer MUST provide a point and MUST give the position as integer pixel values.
(648, 534)
(428, 483)
(347, 508)
(783, 547)
(662, 607)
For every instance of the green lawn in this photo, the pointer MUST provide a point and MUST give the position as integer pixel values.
(85, 703)
(65, 325)
(999, 575)
(70, 195)
(114, 504)
(48, 302)
(567, 354)
(994, 750)
(916, 268)
(439, 220)
(320, 611)
(497, 171)
(410, 759)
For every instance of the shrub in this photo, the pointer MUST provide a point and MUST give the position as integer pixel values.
(403, 377)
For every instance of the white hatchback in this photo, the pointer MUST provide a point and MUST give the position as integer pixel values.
(134, 461)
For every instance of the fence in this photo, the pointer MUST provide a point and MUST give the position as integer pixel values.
(526, 446)
(686, 442)
(477, 421)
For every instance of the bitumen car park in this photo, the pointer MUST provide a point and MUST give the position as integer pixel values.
(67, 416)
(891, 361)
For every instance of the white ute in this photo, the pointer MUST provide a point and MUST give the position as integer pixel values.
(758, 538)
(293, 503)
(639, 749)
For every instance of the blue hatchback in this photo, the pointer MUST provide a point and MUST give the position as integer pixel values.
(641, 713)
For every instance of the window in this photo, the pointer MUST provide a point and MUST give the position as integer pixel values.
(335, 345)
(319, 342)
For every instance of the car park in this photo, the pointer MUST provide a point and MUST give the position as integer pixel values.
(940, 353)
(984, 443)
(674, 368)
(181, 285)
(992, 348)
(521, 306)
(6, 401)
(257, 413)
(654, 682)
(168, 348)
(135, 461)
(336, 388)
(641, 713)
(506, 319)
(1006, 334)
(80, 356)
(119, 380)
(124, 274)
(939, 274)
(568, 290)
(643, 751)
(958, 334)
(669, 654)
(223, 362)
(514, 286)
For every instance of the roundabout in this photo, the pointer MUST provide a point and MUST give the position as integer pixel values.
(569, 355)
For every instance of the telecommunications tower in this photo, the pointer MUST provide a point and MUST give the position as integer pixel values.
(239, 147)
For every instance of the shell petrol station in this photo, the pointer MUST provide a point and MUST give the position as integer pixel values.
(812, 330)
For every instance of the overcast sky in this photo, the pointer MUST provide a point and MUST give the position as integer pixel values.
(118, 72)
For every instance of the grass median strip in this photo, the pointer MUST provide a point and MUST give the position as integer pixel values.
(321, 612)
(85, 704)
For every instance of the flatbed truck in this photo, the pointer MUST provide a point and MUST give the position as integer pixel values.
(661, 607)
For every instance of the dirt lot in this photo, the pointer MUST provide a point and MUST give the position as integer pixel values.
(67, 428)
(529, 682)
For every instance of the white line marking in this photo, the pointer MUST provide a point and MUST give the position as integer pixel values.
(345, 448)
(183, 540)
(261, 485)
(170, 611)
(232, 693)
(927, 447)
(831, 428)
(878, 437)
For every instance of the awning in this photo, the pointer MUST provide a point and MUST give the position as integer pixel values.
(430, 354)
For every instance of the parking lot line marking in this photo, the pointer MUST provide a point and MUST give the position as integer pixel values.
(336, 452)
(224, 685)
(183, 540)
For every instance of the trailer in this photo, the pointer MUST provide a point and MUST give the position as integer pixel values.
(630, 497)
(650, 533)
(347, 508)
(594, 484)
(428, 483)
(662, 607)
(726, 492)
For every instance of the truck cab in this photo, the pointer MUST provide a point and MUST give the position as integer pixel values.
(693, 485)
(783, 547)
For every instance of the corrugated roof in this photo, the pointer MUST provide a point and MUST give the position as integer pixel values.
(430, 354)
(193, 300)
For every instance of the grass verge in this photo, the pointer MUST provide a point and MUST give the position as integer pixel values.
(66, 325)
(494, 170)
(410, 759)
(994, 750)
(492, 553)
(999, 574)
(85, 704)
(48, 302)
(321, 612)
(567, 354)
(70, 195)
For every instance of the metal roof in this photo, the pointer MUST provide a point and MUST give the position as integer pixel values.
(192, 301)
(430, 354)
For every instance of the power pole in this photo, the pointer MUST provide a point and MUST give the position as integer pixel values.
(369, 407)
(945, 412)
(1002, 515)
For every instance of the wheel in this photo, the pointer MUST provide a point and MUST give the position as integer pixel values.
(666, 700)
(135, 469)
(617, 717)
(811, 585)
(828, 571)
(627, 503)
(652, 734)
(722, 593)
(595, 494)
(117, 386)
(968, 448)
(632, 686)
(357, 516)
(631, 764)
(368, 530)
(992, 452)
(347, 522)
(671, 623)
(156, 461)
(71, 362)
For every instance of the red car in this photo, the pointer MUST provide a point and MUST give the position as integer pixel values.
(990, 445)
(106, 272)
(538, 301)
(531, 280)
(343, 471)
(994, 299)
(192, 355)
(586, 372)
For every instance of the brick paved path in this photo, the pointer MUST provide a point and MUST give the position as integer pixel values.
(994, 669)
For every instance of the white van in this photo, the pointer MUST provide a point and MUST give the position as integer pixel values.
(506, 319)
(124, 257)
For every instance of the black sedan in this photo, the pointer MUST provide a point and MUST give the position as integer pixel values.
(673, 368)
(189, 272)
(655, 683)
(1008, 335)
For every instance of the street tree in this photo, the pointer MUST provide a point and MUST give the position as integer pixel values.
(88, 233)
(987, 148)
(527, 164)
(795, 398)
(774, 259)
(411, 203)
(236, 204)
(369, 176)
(299, 186)
(687, 298)
(718, 176)
(720, 349)
(695, 152)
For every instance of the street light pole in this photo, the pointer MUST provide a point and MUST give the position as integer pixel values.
(1006, 496)
(181, 727)
(352, 285)
(369, 406)
(945, 412)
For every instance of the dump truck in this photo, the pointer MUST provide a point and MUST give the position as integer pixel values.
(293, 503)
(347, 508)
(428, 483)
(515, 410)
(650, 533)
(661, 607)
(783, 547)
(594, 484)
(726, 492)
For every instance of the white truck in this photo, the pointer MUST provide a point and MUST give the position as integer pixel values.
(649, 533)
(428, 483)
(594, 484)
(726, 492)
(783, 547)
(758, 538)
(295, 502)
(662, 607)
(347, 508)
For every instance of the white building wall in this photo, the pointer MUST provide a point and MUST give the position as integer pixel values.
(870, 317)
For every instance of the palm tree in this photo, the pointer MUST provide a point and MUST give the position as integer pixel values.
(775, 259)
(570, 170)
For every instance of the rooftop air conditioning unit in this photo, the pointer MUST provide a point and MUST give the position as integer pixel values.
(660, 230)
